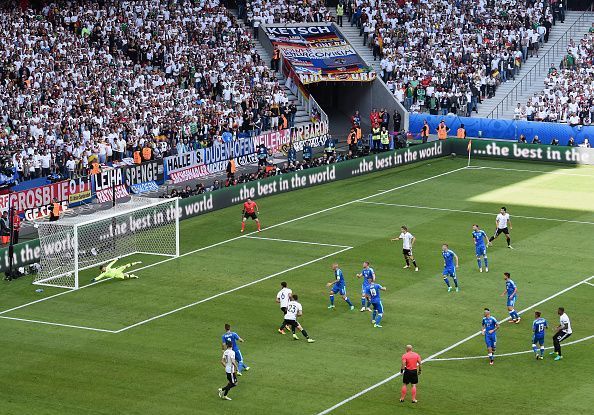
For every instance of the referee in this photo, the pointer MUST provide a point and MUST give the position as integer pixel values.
(563, 332)
(410, 369)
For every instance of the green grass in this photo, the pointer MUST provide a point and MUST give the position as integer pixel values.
(171, 365)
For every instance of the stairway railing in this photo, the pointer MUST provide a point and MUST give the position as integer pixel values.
(542, 66)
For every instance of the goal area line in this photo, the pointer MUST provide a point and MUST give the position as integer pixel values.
(447, 349)
(298, 218)
(344, 248)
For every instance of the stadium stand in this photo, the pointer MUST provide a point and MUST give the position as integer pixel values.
(568, 96)
(99, 79)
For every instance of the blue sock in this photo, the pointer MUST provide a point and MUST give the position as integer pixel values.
(486, 263)
(511, 314)
(446, 281)
(331, 300)
(378, 319)
(456, 282)
(542, 350)
(478, 261)
(240, 366)
(368, 304)
(348, 301)
(534, 348)
(516, 314)
(362, 302)
(491, 357)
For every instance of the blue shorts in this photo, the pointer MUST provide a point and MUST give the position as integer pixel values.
(238, 355)
(364, 289)
(511, 302)
(449, 272)
(536, 339)
(491, 340)
(336, 289)
(480, 250)
(378, 307)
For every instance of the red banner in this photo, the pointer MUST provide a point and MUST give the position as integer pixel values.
(44, 195)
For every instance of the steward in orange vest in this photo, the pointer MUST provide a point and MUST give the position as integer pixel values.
(461, 133)
(442, 130)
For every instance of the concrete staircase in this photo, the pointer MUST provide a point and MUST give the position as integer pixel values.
(535, 84)
(488, 106)
(302, 115)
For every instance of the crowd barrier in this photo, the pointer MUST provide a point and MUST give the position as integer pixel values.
(488, 128)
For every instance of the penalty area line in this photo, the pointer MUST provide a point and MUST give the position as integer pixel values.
(49, 323)
(450, 359)
(379, 193)
(447, 349)
(212, 297)
(297, 242)
(475, 212)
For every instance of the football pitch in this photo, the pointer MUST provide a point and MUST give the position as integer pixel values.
(153, 345)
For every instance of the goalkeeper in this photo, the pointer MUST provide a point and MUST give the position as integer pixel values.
(108, 271)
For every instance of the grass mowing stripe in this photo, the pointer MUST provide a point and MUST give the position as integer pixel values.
(247, 234)
(581, 222)
(450, 359)
(212, 297)
(447, 349)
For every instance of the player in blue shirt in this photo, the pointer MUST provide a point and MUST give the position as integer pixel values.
(510, 293)
(538, 334)
(480, 237)
(373, 294)
(338, 286)
(234, 338)
(450, 263)
(490, 326)
(368, 276)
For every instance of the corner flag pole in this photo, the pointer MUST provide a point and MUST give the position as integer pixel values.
(469, 150)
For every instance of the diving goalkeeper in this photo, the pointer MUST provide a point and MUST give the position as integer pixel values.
(108, 271)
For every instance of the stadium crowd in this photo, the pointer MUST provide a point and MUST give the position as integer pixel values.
(103, 78)
(568, 96)
(257, 12)
(446, 57)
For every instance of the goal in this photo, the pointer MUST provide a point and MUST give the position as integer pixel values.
(72, 244)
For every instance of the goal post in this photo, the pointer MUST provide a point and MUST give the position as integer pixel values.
(73, 244)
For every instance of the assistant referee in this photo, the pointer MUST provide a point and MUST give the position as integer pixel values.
(410, 369)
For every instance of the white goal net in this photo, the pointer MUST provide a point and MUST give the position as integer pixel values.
(72, 244)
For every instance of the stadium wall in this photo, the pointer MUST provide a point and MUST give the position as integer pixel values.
(504, 129)
(30, 251)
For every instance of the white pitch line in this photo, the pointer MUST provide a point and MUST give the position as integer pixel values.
(447, 349)
(589, 283)
(212, 297)
(49, 323)
(476, 213)
(534, 171)
(50, 297)
(298, 242)
(247, 234)
(449, 359)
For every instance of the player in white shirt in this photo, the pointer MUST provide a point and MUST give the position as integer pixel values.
(230, 364)
(504, 225)
(282, 298)
(408, 240)
(294, 310)
(563, 332)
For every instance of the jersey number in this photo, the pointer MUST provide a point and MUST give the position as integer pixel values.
(372, 292)
(292, 309)
(540, 327)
